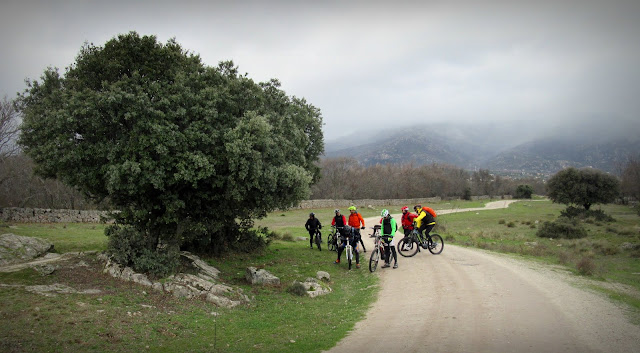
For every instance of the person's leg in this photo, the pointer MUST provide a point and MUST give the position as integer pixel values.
(387, 253)
(395, 256)
(311, 235)
(428, 228)
(340, 248)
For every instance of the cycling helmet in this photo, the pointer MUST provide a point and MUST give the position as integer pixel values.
(417, 207)
(384, 213)
(352, 208)
(312, 214)
(336, 210)
(405, 208)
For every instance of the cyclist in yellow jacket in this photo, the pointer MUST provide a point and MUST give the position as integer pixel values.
(426, 219)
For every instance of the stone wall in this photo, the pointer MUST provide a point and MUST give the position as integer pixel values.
(46, 215)
(315, 204)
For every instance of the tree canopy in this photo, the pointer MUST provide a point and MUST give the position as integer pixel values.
(177, 146)
(584, 187)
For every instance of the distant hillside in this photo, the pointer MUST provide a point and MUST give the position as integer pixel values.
(547, 156)
(487, 147)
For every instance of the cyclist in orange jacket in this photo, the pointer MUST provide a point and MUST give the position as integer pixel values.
(355, 220)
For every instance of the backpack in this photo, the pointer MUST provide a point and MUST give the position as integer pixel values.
(431, 211)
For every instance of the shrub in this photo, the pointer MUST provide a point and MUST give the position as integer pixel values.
(562, 228)
(581, 213)
(131, 247)
(287, 236)
(586, 266)
(297, 288)
(511, 224)
(564, 257)
(502, 221)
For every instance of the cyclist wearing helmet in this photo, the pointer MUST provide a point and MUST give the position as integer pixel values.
(312, 225)
(388, 230)
(339, 220)
(350, 234)
(355, 220)
(426, 219)
(407, 220)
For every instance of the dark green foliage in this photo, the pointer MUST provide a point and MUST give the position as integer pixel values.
(466, 195)
(190, 154)
(134, 248)
(297, 288)
(583, 187)
(562, 227)
(581, 213)
(523, 192)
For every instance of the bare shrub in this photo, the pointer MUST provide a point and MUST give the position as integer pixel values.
(586, 266)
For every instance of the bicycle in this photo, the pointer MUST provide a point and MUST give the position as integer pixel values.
(348, 249)
(332, 239)
(318, 239)
(410, 245)
(377, 253)
(376, 231)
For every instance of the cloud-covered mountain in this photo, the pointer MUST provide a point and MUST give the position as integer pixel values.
(514, 148)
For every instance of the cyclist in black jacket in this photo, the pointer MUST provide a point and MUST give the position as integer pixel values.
(312, 224)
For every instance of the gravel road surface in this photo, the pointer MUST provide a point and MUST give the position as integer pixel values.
(468, 300)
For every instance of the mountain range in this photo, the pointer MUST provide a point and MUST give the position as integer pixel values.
(513, 148)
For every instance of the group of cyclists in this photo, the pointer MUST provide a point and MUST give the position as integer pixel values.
(423, 219)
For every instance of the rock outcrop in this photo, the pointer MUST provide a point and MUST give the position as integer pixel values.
(17, 248)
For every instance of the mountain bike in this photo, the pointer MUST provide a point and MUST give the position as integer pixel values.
(348, 248)
(411, 244)
(318, 239)
(376, 231)
(332, 239)
(377, 253)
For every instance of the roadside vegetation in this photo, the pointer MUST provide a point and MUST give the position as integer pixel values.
(126, 317)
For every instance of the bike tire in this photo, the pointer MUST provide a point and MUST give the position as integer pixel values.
(331, 242)
(319, 241)
(349, 257)
(436, 244)
(373, 260)
(407, 247)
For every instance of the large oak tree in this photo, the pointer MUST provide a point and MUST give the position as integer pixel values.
(189, 154)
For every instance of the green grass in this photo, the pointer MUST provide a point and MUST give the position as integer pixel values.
(66, 237)
(127, 317)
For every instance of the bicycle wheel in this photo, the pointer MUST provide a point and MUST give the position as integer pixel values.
(373, 260)
(349, 255)
(331, 242)
(407, 247)
(319, 241)
(436, 244)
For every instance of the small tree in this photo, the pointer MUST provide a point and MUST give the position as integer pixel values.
(583, 187)
(523, 192)
(190, 154)
(8, 137)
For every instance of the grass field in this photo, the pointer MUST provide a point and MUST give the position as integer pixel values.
(126, 317)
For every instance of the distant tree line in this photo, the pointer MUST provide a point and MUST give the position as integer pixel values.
(346, 178)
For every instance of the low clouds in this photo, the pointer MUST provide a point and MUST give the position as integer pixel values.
(367, 64)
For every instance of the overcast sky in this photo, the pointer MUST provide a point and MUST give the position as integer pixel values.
(370, 63)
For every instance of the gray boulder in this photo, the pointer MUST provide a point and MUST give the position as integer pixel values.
(17, 248)
(261, 276)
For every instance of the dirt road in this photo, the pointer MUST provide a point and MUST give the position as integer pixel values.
(467, 300)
